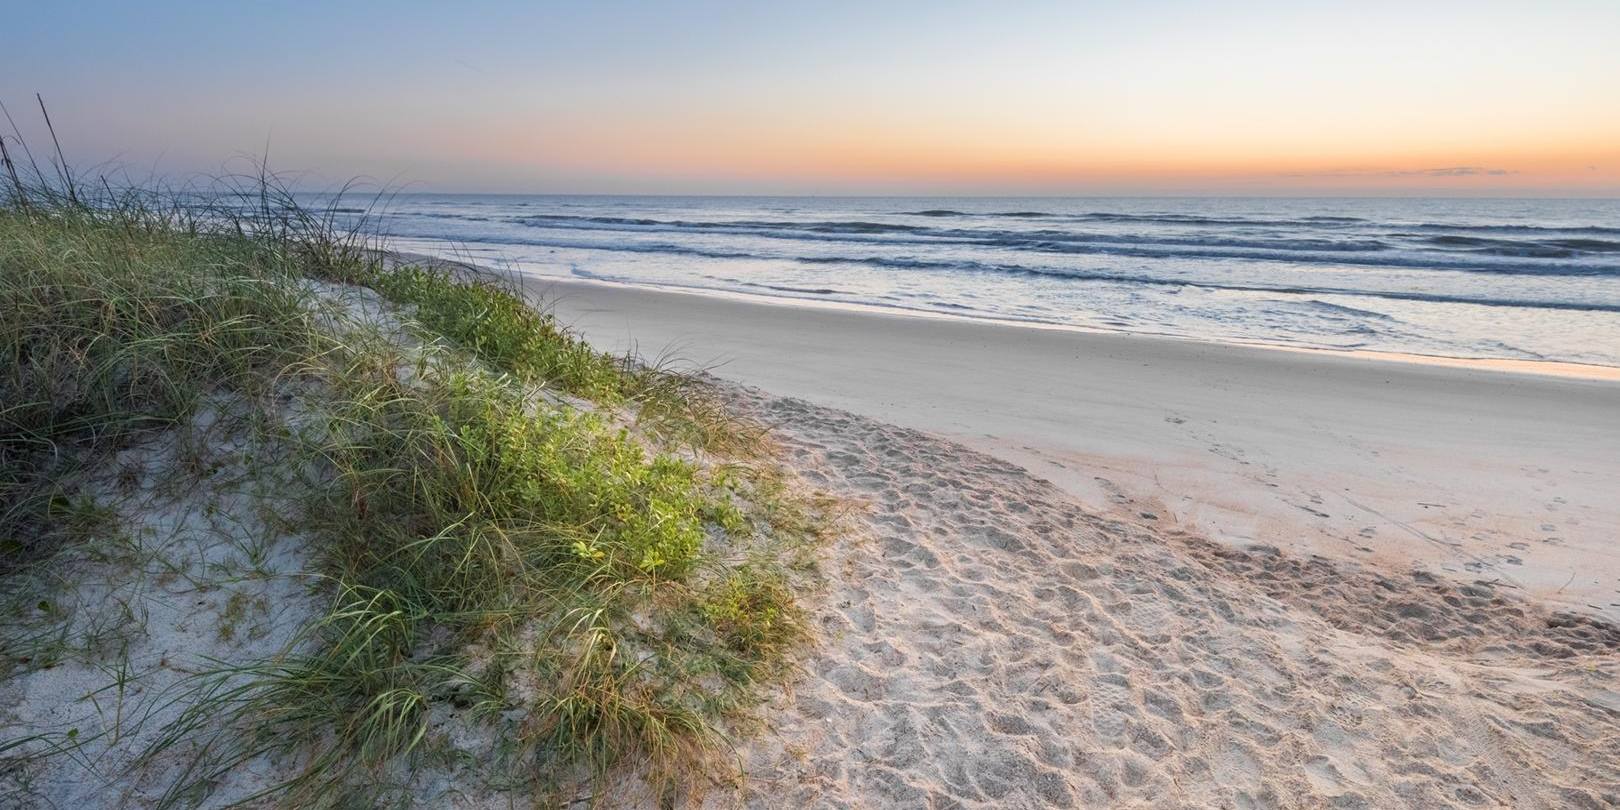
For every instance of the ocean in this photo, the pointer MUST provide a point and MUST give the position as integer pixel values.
(1475, 278)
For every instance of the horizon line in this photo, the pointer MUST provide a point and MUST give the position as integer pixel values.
(977, 195)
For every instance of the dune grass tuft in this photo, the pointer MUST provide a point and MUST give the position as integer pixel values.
(503, 331)
(489, 316)
(111, 327)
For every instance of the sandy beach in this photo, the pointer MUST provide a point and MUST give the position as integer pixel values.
(1475, 474)
(986, 641)
(1107, 570)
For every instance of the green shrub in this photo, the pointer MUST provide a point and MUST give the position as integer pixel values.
(752, 611)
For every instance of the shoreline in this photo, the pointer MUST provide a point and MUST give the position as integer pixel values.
(1507, 365)
(1475, 471)
(1563, 369)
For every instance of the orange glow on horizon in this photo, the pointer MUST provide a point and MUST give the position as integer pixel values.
(852, 156)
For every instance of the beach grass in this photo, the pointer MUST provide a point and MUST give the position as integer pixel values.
(488, 315)
(588, 560)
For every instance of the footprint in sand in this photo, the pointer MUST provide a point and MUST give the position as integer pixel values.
(1317, 512)
(1048, 656)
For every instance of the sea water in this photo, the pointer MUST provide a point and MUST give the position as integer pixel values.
(1480, 278)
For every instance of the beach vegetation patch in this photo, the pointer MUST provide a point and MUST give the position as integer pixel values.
(541, 566)
(489, 315)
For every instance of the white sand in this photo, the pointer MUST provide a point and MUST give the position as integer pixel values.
(189, 579)
(1476, 474)
(989, 643)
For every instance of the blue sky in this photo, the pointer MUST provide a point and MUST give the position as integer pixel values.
(704, 97)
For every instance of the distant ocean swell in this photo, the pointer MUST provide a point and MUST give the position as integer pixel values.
(1317, 222)
(1416, 276)
(1445, 251)
(1079, 274)
(1294, 252)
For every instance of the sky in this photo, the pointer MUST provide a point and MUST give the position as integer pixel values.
(831, 97)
